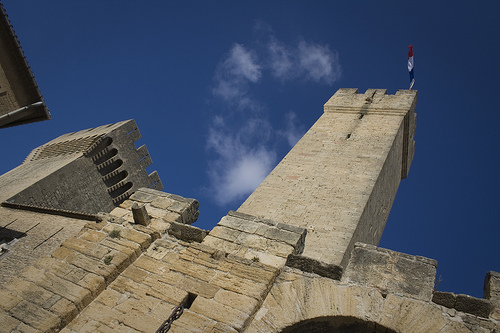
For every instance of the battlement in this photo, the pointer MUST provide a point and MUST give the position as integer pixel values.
(373, 100)
(87, 171)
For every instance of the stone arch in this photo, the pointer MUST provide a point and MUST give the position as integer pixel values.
(308, 298)
(336, 324)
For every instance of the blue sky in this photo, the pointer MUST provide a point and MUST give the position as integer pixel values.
(222, 89)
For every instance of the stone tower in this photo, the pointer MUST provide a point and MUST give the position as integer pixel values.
(299, 255)
(340, 179)
(89, 171)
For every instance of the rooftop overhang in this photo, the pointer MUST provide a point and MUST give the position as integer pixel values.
(20, 99)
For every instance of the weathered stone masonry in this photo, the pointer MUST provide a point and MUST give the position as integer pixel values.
(128, 270)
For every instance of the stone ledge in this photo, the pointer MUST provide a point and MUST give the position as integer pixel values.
(279, 225)
(310, 265)
(464, 303)
(186, 232)
(187, 208)
(292, 235)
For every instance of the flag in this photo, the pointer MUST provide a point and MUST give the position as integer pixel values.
(410, 65)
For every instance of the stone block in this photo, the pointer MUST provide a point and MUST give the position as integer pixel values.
(62, 269)
(144, 240)
(444, 298)
(492, 287)
(143, 196)
(219, 312)
(152, 265)
(28, 290)
(239, 285)
(35, 316)
(86, 247)
(61, 253)
(391, 271)
(155, 288)
(93, 236)
(187, 208)
(119, 211)
(252, 241)
(221, 244)
(103, 314)
(262, 257)
(135, 274)
(253, 272)
(186, 232)
(140, 214)
(239, 224)
(162, 202)
(225, 233)
(284, 236)
(159, 225)
(65, 310)
(80, 296)
(93, 282)
(8, 323)
(131, 249)
(192, 269)
(172, 217)
(192, 322)
(198, 287)
(314, 266)
(475, 306)
(280, 249)
(143, 305)
(214, 260)
(98, 267)
(9, 300)
(237, 301)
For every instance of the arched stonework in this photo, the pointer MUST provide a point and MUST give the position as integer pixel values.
(336, 324)
(295, 298)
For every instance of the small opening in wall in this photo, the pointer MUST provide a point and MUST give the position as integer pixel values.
(361, 116)
(348, 136)
(189, 300)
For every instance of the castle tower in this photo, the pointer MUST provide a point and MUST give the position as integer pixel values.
(340, 180)
(89, 171)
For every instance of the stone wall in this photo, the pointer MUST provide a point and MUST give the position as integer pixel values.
(119, 276)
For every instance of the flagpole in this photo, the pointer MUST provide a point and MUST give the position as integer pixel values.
(411, 65)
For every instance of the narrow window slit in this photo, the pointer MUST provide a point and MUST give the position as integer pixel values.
(361, 116)
(189, 300)
(348, 136)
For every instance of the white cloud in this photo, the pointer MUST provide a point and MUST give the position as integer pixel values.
(242, 63)
(280, 59)
(234, 74)
(239, 141)
(242, 160)
(307, 61)
(318, 62)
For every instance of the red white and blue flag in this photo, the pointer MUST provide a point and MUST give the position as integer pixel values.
(410, 65)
